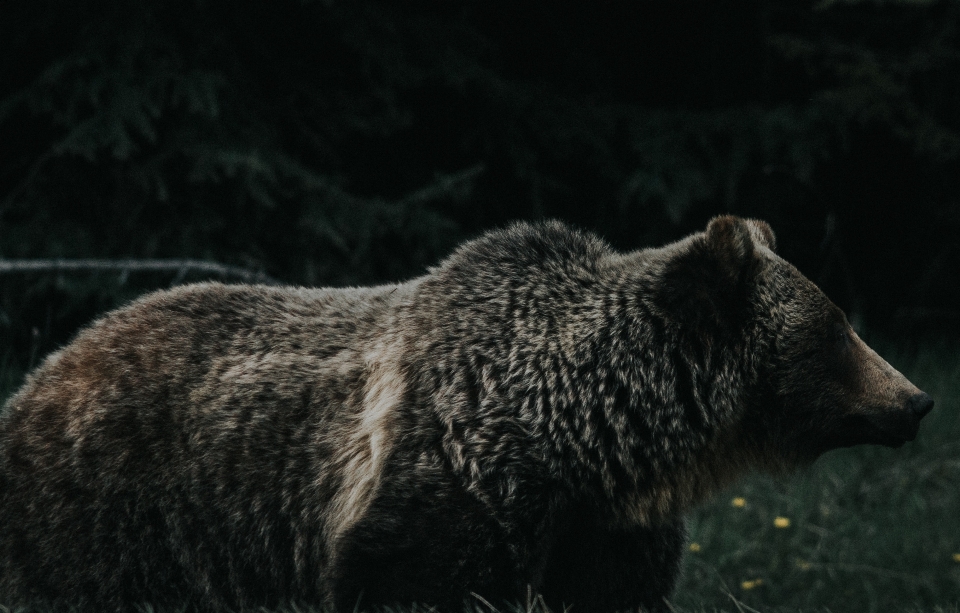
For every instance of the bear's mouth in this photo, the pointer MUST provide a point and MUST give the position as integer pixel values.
(890, 428)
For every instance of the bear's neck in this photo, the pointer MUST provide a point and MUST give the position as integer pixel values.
(643, 413)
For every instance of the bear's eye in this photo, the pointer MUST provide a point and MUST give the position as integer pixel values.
(840, 334)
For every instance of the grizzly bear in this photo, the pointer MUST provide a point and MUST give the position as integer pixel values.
(532, 416)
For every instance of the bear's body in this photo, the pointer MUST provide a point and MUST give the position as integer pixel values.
(532, 416)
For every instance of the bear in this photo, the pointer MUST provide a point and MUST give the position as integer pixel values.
(534, 415)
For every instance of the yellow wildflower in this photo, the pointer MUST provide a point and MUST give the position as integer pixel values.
(739, 502)
(782, 522)
(694, 547)
(804, 565)
(749, 585)
(956, 557)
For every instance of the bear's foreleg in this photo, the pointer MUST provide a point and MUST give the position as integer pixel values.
(594, 568)
(426, 543)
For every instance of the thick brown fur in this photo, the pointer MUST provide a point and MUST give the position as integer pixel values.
(536, 413)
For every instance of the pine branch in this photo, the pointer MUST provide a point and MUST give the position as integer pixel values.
(444, 185)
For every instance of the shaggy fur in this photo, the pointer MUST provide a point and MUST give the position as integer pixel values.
(536, 413)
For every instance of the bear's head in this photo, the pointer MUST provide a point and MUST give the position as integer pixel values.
(815, 384)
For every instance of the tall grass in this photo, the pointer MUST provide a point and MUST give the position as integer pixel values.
(863, 530)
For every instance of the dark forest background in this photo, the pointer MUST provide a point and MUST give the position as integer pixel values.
(325, 142)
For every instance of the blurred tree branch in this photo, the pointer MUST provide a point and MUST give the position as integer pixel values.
(180, 266)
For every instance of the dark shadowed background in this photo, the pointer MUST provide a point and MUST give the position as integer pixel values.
(327, 142)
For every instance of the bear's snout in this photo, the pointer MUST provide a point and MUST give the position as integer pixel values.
(920, 404)
(895, 426)
(891, 405)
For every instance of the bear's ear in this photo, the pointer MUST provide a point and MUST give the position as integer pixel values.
(708, 279)
(762, 233)
(732, 243)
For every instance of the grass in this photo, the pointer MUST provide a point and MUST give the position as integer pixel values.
(865, 529)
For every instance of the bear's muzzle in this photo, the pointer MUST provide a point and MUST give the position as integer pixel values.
(895, 426)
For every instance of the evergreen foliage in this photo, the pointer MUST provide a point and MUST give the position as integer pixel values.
(327, 142)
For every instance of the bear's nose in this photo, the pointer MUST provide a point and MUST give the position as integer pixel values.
(920, 404)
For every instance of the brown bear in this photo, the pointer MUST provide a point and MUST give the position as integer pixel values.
(534, 415)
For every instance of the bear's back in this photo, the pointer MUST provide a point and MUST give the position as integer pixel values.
(177, 342)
